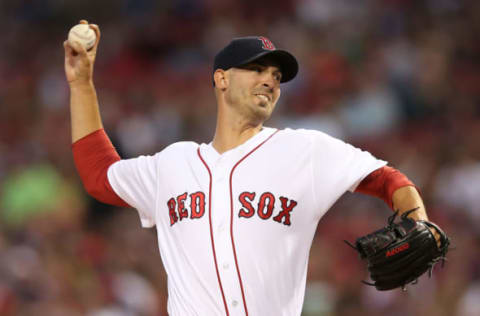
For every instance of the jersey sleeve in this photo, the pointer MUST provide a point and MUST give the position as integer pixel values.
(339, 166)
(135, 181)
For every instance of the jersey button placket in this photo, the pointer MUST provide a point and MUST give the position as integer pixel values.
(223, 242)
(221, 228)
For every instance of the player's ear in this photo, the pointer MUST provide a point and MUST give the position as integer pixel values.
(221, 79)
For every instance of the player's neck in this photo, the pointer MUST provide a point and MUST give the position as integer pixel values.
(228, 136)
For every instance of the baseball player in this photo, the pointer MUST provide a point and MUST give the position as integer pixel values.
(235, 218)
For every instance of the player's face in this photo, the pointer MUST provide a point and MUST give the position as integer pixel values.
(254, 89)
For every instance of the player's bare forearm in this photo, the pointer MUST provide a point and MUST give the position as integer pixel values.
(84, 110)
(85, 114)
(407, 198)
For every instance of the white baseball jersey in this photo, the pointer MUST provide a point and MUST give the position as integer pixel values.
(235, 229)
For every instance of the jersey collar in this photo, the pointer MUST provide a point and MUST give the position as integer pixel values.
(213, 156)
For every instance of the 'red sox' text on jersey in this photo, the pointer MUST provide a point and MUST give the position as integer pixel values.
(195, 208)
(235, 230)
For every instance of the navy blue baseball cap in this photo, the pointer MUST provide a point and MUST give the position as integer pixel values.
(243, 50)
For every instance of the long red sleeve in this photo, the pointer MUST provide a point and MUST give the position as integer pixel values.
(383, 182)
(93, 154)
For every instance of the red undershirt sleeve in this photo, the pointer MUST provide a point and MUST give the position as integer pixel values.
(93, 155)
(383, 182)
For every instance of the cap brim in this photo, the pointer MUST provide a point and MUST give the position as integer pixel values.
(287, 62)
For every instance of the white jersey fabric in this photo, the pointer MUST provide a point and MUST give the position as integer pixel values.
(235, 229)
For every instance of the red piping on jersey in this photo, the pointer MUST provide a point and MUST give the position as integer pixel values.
(211, 230)
(231, 219)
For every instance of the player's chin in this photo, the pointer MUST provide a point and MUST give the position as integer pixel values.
(267, 105)
(263, 108)
(263, 113)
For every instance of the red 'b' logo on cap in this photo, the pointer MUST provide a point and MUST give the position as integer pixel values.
(266, 43)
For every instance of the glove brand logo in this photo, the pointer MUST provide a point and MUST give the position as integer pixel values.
(395, 251)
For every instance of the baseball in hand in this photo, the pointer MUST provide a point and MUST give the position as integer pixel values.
(83, 34)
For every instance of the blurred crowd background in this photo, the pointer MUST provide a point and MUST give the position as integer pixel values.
(399, 78)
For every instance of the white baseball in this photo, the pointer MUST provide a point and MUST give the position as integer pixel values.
(83, 34)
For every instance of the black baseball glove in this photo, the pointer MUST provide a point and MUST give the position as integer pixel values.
(401, 252)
